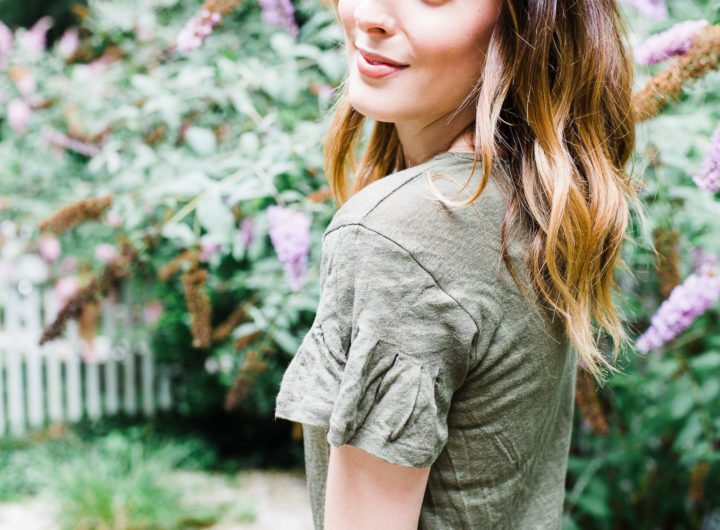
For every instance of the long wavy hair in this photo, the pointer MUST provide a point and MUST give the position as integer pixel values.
(555, 114)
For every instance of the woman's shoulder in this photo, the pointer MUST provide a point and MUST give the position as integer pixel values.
(460, 247)
(404, 203)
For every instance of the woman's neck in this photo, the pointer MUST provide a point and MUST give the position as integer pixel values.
(421, 142)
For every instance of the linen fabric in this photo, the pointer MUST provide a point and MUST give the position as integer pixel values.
(425, 352)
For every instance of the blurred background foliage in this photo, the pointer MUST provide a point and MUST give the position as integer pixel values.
(645, 447)
(27, 12)
(193, 140)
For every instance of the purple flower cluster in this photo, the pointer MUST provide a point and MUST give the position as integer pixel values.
(106, 252)
(35, 39)
(197, 29)
(686, 302)
(59, 139)
(652, 9)
(49, 248)
(703, 261)
(18, 115)
(69, 42)
(207, 250)
(290, 235)
(279, 13)
(247, 231)
(674, 41)
(709, 176)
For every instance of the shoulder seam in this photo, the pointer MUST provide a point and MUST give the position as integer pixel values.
(409, 179)
(406, 251)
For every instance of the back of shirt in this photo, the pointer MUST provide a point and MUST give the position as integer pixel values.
(424, 352)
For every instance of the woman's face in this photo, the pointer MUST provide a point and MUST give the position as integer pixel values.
(414, 61)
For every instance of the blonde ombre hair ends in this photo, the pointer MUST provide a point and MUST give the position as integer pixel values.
(555, 116)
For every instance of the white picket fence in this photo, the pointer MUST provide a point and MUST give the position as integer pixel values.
(53, 384)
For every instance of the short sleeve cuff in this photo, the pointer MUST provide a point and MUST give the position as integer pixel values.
(380, 401)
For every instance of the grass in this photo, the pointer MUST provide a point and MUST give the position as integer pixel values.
(118, 481)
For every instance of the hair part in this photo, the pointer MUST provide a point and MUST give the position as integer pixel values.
(555, 126)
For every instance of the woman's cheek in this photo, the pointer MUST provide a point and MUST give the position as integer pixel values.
(345, 10)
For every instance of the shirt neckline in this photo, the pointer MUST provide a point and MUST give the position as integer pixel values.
(456, 153)
(453, 154)
(441, 156)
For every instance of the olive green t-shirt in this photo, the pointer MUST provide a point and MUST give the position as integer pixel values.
(424, 352)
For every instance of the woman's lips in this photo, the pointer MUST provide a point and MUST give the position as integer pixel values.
(376, 66)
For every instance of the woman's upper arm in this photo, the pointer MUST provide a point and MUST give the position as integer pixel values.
(366, 492)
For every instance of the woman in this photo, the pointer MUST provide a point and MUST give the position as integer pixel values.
(435, 386)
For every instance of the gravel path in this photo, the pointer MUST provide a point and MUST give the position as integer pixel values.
(251, 500)
(278, 499)
(32, 514)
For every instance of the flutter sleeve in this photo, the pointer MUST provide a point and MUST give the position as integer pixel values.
(386, 351)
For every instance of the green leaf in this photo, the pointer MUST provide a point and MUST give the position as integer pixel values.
(215, 217)
(666, 367)
(181, 233)
(304, 302)
(306, 51)
(283, 86)
(594, 500)
(186, 185)
(249, 144)
(227, 69)
(146, 85)
(283, 44)
(689, 434)
(258, 317)
(706, 361)
(332, 65)
(681, 405)
(241, 101)
(568, 523)
(249, 188)
(286, 341)
(201, 140)
(245, 329)
(710, 389)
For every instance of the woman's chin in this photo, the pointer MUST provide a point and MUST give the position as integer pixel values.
(375, 112)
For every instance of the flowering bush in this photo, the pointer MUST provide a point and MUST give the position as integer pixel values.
(290, 235)
(167, 140)
(709, 176)
(674, 41)
(697, 293)
(646, 446)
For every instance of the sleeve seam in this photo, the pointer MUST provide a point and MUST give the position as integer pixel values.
(408, 180)
(414, 259)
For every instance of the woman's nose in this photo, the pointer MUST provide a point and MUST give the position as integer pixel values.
(371, 16)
